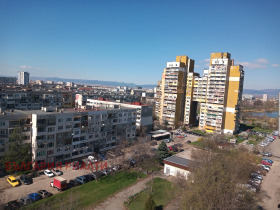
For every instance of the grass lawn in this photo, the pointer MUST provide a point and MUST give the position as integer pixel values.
(253, 142)
(254, 128)
(197, 143)
(89, 194)
(240, 139)
(198, 132)
(163, 193)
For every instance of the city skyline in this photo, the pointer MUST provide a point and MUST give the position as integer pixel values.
(133, 41)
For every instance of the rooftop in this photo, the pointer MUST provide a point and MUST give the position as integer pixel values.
(179, 160)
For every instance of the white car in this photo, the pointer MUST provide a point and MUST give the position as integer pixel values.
(92, 159)
(48, 173)
(265, 167)
(57, 172)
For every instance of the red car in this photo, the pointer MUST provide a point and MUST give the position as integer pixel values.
(266, 163)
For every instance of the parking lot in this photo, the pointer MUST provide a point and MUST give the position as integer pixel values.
(42, 182)
(271, 184)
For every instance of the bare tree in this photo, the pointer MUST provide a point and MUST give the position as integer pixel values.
(215, 178)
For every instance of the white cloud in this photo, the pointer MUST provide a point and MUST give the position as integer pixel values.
(31, 68)
(207, 60)
(260, 63)
(275, 65)
(250, 65)
(25, 67)
(262, 60)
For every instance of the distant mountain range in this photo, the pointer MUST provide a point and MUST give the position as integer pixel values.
(272, 93)
(92, 82)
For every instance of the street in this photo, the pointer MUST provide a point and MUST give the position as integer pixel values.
(270, 192)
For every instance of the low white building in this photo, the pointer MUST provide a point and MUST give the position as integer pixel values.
(177, 166)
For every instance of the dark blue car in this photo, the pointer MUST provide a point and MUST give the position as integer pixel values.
(34, 196)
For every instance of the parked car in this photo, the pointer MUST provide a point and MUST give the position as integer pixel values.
(25, 201)
(13, 181)
(268, 154)
(81, 179)
(131, 161)
(97, 175)
(266, 159)
(256, 176)
(44, 193)
(25, 179)
(73, 183)
(257, 181)
(117, 167)
(265, 167)
(57, 172)
(59, 183)
(89, 177)
(13, 205)
(266, 163)
(48, 173)
(92, 159)
(34, 196)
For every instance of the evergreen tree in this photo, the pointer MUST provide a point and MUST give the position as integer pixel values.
(162, 152)
(150, 204)
(18, 153)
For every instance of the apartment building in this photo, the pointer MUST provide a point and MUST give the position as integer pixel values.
(8, 80)
(34, 100)
(144, 113)
(171, 91)
(59, 136)
(216, 96)
(23, 78)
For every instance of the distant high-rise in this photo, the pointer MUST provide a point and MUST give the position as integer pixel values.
(23, 78)
(264, 97)
(212, 102)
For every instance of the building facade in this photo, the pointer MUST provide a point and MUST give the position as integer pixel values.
(34, 100)
(65, 135)
(171, 91)
(216, 96)
(8, 80)
(144, 113)
(23, 78)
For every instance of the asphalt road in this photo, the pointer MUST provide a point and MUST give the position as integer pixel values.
(270, 192)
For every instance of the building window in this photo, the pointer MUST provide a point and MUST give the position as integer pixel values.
(59, 149)
(50, 152)
(60, 120)
(67, 149)
(2, 123)
(40, 154)
(60, 127)
(50, 144)
(51, 129)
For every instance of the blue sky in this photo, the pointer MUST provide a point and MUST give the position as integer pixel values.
(131, 41)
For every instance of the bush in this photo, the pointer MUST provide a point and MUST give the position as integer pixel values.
(150, 204)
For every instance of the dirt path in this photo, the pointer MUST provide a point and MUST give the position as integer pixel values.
(116, 202)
